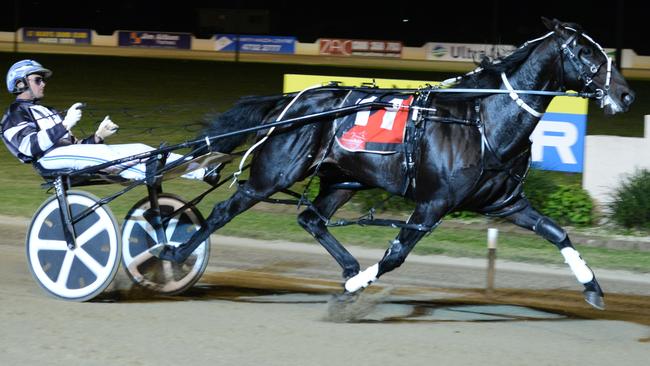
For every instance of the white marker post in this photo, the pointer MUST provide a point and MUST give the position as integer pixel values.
(492, 238)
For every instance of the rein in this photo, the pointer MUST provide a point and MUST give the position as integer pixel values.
(435, 89)
(518, 91)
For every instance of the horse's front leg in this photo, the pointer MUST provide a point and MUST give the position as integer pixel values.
(426, 217)
(313, 220)
(531, 219)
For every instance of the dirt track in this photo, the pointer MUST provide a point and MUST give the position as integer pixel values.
(267, 304)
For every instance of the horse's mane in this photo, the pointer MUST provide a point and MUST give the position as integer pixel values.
(489, 75)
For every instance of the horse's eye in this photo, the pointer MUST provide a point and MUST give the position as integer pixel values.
(586, 52)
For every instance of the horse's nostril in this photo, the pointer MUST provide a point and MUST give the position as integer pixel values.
(628, 99)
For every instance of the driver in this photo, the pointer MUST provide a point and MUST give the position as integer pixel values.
(35, 133)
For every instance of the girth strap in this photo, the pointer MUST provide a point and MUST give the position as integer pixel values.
(415, 126)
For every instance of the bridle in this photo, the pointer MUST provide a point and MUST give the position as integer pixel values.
(586, 69)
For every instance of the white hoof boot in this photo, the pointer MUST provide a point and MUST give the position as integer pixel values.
(577, 264)
(362, 279)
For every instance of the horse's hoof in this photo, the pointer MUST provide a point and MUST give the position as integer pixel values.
(347, 307)
(594, 294)
(595, 299)
(346, 297)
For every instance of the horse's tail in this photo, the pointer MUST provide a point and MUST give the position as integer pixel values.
(248, 112)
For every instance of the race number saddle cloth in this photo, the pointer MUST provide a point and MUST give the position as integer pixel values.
(377, 130)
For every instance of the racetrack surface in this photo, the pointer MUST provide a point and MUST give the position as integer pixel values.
(270, 303)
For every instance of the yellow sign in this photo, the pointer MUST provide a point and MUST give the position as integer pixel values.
(297, 82)
(571, 105)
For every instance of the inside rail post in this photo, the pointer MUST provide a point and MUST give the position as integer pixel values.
(492, 238)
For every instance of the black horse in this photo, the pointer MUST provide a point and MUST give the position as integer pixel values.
(469, 151)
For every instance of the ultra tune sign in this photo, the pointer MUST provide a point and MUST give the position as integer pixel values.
(558, 141)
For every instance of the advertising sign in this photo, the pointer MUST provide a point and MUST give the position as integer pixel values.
(57, 35)
(465, 52)
(358, 47)
(154, 39)
(297, 82)
(255, 44)
(558, 140)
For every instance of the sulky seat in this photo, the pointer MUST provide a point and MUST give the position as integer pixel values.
(88, 179)
(101, 177)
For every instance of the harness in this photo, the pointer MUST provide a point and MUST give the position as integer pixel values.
(415, 127)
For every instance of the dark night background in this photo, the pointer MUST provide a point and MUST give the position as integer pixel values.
(615, 24)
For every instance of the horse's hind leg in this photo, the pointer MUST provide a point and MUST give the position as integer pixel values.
(221, 214)
(313, 220)
(531, 219)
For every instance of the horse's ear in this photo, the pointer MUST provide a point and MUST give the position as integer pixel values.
(550, 24)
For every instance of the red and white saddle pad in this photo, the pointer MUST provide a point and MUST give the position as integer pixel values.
(379, 130)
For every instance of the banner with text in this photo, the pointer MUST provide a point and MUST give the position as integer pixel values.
(558, 140)
(358, 47)
(255, 44)
(57, 36)
(154, 39)
(466, 52)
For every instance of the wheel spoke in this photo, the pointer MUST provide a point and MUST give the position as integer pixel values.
(89, 261)
(42, 244)
(146, 226)
(90, 233)
(136, 261)
(62, 279)
(171, 227)
(138, 218)
(168, 271)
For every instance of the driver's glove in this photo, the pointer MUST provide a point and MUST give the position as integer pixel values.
(106, 128)
(72, 116)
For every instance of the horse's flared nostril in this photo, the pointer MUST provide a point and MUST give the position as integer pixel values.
(628, 99)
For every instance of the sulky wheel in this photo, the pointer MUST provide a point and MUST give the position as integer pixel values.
(81, 273)
(138, 236)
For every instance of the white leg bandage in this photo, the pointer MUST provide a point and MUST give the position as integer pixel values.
(362, 279)
(577, 265)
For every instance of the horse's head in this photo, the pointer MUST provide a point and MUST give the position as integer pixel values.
(588, 68)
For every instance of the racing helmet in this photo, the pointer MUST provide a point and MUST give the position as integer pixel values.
(20, 70)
